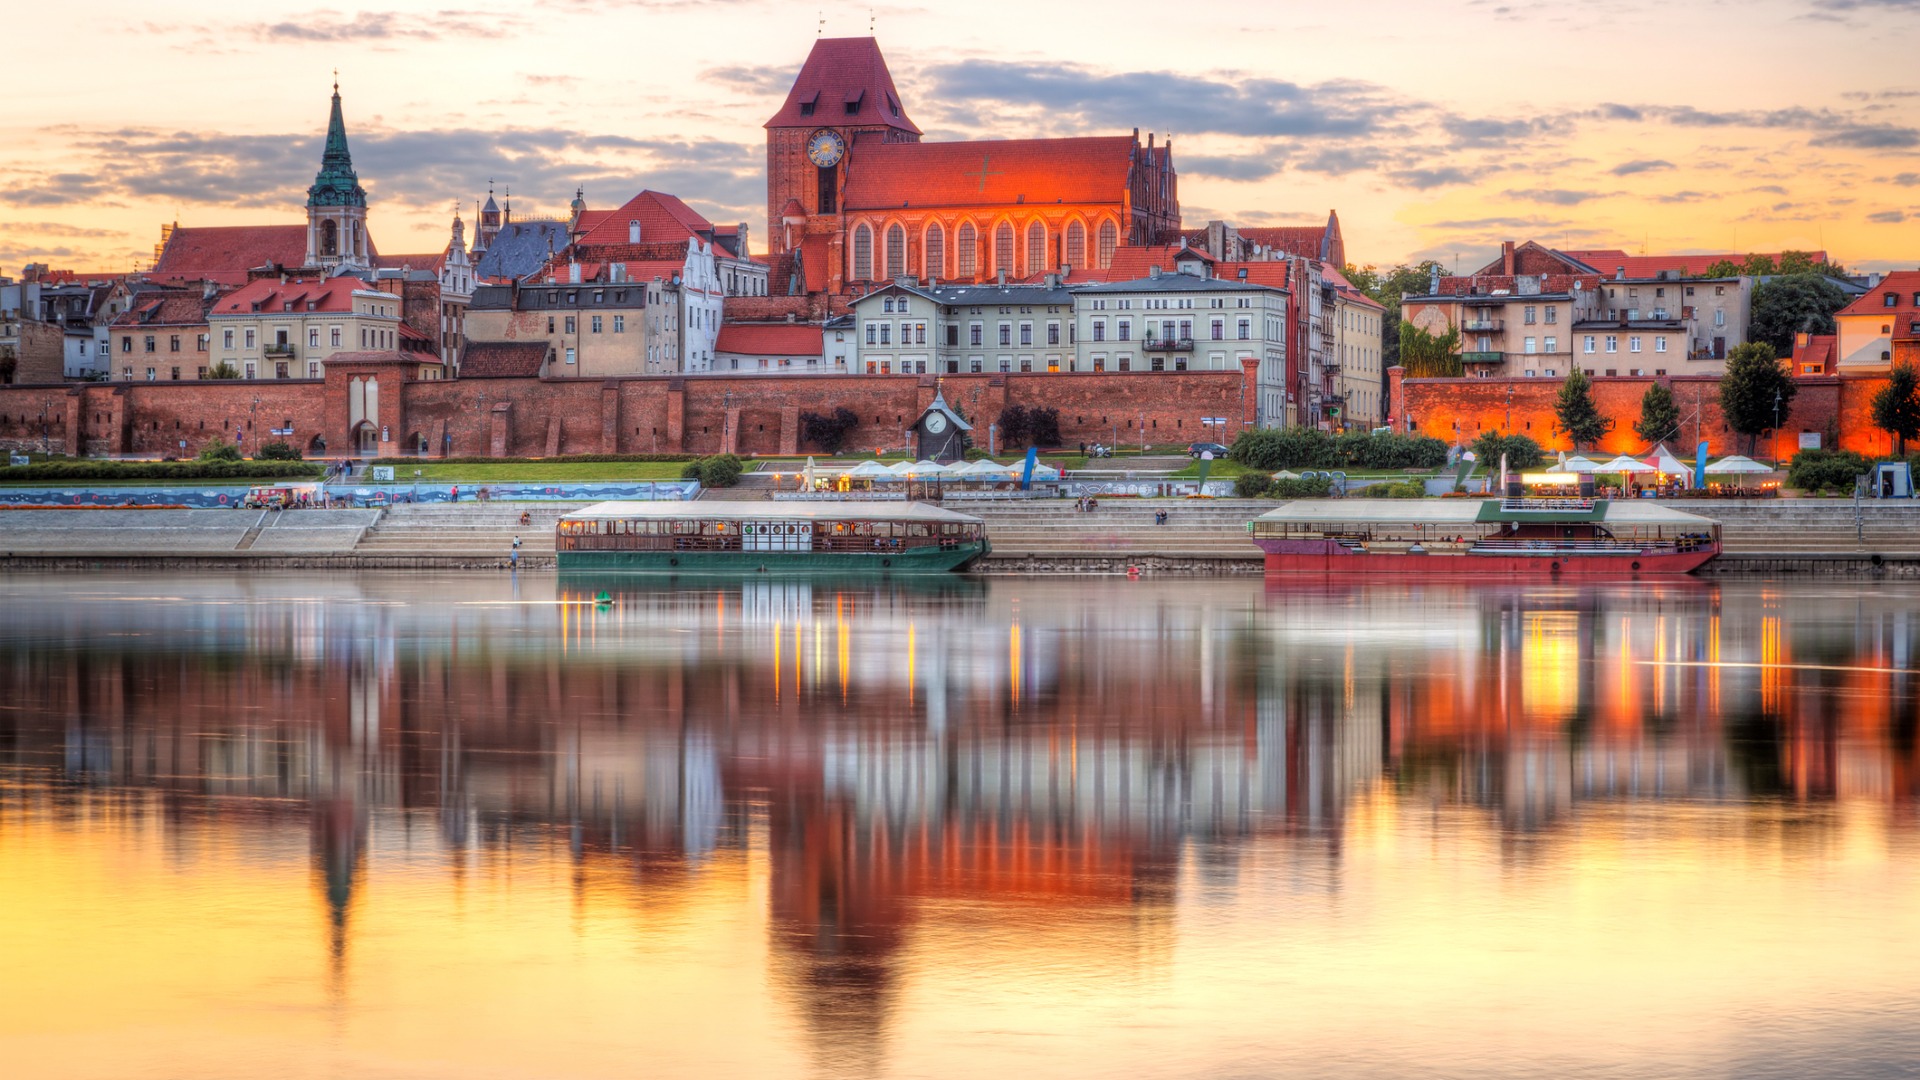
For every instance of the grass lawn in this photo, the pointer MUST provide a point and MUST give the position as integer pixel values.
(1223, 469)
(530, 472)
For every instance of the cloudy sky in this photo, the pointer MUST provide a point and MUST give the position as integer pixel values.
(1437, 127)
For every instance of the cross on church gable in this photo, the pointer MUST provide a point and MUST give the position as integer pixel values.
(983, 172)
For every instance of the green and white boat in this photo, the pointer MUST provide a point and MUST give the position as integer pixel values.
(671, 537)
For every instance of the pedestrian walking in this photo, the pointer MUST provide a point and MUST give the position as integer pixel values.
(513, 556)
(456, 493)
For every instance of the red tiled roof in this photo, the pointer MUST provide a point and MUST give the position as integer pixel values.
(431, 262)
(166, 309)
(839, 71)
(1904, 285)
(1609, 261)
(662, 217)
(813, 250)
(591, 218)
(993, 172)
(1301, 240)
(225, 253)
(1819, 350)
(642, 262)
(770, 339)
(272, 294)
(502, 359)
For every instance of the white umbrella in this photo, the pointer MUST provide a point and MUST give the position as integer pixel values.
(1045, 472)
(928, 468)
(1666, 463)
(807, 473)
(871, 470)
(982, 468)
(900, 468)
(1625, 464)
(1738, 463)
(1576, 464)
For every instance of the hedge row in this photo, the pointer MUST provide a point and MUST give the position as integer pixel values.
(1256, 485)
(1311, 448)
(65, 471)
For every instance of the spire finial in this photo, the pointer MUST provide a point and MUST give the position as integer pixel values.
(336, 82)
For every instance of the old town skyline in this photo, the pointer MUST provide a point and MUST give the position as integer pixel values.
(1426, 151)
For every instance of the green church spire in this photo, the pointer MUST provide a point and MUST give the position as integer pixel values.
(336, 184)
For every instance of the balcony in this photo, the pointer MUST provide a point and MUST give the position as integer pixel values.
(1483, 357)
(283, 351)
(1184, 344)
(1484, 326)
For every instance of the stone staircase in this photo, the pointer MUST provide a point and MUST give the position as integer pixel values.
(475, 531)
(1812, 526)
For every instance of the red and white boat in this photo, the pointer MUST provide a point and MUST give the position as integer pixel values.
(1514, 537)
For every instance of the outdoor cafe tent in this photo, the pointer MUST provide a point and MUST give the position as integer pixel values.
(1044, 472)
(900, 468)
(927, 468)
(1668, 465)
(1576, 464)
(1624, 464)
(982, 470)
(1738, 463)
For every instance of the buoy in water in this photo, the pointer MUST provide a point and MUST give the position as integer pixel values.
(1133, 573)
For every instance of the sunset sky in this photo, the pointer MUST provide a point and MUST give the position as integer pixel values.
(1436, 129)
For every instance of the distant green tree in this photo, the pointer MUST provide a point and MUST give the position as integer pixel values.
(1659, 416)
(1896, 407)
(1522, 452)
(1723, 268)
(1785, 306)
(1579, 417)
(1759, 265)
(1754, 381)
(1387, 287)
(1430, 356)
(223, 370)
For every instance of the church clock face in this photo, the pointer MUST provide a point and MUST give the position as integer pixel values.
(936, 423)
(826, 148)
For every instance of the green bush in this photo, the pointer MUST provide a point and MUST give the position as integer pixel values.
(1522, 452)
(1300, 489)
(718, 471)
(1395, 489)
(1311, 448)
(219, 449)
(1826, 470)
(1252, 485)
(71, 470)
(278, 451)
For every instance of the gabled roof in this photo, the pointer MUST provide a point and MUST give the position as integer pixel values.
(502, 359)
(1306, 241)
(184, 308)
(1902, 285)
(273, 295)
(1347, 288)
(940, 405)
(662, 217)
(224, 253)
(1534, 258)
(990, 172)
(520, 248)
(770, 339)
(432, 261)
(840, 72)
(1818, 349)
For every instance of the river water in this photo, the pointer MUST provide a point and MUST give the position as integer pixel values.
(451, 826)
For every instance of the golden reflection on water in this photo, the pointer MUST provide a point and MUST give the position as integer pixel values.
(1046, 827)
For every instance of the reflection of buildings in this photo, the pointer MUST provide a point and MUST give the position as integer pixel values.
(1018, 753)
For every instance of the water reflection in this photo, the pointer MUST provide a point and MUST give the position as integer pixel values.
(1057, 779)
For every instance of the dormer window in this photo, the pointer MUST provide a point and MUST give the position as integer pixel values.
(854, 98)
(893, 106)
(807, 103)
(1890, 299)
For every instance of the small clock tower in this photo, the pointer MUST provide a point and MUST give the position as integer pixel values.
(940, 434)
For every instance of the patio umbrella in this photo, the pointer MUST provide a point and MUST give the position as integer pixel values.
(900, 468)
(983, 470)
(1738, 463)
(928, 468)
(1624, 464)
(807, 473)
(1577, 464)
(871, 470)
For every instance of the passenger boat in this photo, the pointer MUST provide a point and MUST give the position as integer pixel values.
(769, 537)
(1506, 538)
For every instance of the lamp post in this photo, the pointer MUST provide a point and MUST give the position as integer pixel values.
(45, 408)
(1508, 430)
(1776, 429)
(726, 421)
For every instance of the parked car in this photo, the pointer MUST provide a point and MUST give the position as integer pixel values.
(1213, 448)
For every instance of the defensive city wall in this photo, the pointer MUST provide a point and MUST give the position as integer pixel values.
(1838, 408)
(514, 417)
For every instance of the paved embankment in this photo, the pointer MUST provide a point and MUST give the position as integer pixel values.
(1029, 536)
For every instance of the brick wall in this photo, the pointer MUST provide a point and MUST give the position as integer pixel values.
(1834, 407)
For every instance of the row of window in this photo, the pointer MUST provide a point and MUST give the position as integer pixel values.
(1041, 254)
(151, 343)
(281, 370)
(1892, 299)
(1554, 373)
(1613, 344)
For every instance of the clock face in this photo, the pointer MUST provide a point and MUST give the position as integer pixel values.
(826, 148)
(936, 423)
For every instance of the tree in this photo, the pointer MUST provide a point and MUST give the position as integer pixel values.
(1799, 303)
(1755, 381)
(1659, 416)
(828, 432)
(1430, 356)
(219, 449)
(1521, 452)
(1896, 407)
(1723, 268)
(1387, 287)
(223, 370)
(1579, 417)
(1759, 265)
(1043, 426)
(1013, 424)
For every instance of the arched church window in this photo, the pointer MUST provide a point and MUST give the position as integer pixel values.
(1036, 248)
(966, 251)
(896, 251)
(329, 238)
(1076, 244)
(1109, 239)
(935, 250)
(863, 253)
(1003, 249)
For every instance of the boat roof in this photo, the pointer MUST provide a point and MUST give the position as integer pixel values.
(847, 510)
(1473, 511)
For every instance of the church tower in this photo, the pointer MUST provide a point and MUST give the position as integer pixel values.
(337, 204)
(843, 97)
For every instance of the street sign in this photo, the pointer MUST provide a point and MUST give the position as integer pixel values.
(383, 474)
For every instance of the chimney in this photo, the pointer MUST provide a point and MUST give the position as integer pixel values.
(1000, 277)
(633, 232)
(1619, 273)
(1802, 338)
(1433, 283)
(1053, 281)
(1506, 258)
(573, 273)
(1153, 271)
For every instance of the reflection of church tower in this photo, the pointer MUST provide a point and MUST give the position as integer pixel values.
(337, 204)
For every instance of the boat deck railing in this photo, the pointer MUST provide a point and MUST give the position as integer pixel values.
(758, 545)
(1544, 504)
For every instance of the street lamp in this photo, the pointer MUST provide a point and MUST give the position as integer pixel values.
(726, 422)
(1776, 428)
(45, 408)
(1509, 428)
